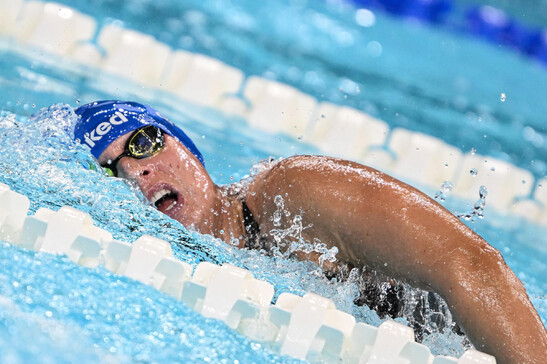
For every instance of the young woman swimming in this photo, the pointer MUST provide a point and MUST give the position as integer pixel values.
(374, 220)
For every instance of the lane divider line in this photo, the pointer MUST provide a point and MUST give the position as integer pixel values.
(308, 327)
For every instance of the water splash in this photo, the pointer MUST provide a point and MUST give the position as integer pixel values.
(280, 210)
(426, 312)
(289, 240)
(57, 174)
(478, 207)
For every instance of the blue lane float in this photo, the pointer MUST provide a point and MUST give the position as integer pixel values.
(483, 22)
(430, 11)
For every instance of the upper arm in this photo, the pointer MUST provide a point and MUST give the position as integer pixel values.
(373, 219)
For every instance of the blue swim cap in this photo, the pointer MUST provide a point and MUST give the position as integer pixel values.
(102, 122)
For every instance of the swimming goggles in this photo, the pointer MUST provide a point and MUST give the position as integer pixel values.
(143, 143)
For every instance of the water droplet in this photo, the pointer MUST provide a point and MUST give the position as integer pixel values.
(446, 187)
(473, 151)
(473, 172)
(493, 169)
(503, 97)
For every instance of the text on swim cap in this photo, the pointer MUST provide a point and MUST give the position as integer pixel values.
(103, 128)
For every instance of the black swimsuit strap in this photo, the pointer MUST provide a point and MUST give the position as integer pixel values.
(251, 226)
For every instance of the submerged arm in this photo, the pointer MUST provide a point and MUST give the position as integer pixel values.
(382, 223)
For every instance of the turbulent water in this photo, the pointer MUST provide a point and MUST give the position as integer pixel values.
(421, 79)
(103, 312)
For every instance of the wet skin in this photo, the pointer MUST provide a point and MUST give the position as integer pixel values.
(373, 219)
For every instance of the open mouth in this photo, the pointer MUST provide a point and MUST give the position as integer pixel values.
(165, 200)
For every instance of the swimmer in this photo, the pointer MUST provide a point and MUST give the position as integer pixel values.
(374, 220)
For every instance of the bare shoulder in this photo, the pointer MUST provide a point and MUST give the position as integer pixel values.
(306, 167)
(321, 184)
(308, 173)
(317, 162)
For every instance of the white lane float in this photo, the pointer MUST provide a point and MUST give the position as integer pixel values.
(308, 327)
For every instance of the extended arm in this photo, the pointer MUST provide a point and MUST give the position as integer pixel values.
(380, 222)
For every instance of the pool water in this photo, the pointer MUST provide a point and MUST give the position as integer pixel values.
(60, 312)
(410, 75)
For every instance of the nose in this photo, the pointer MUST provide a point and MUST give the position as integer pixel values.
(131, 168)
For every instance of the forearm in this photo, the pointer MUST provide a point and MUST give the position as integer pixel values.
(492, 306)
(487, 299)
(433, 249)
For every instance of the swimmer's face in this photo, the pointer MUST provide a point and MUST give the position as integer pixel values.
(173, 180)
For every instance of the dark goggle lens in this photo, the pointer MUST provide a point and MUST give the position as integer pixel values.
(145, 142)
